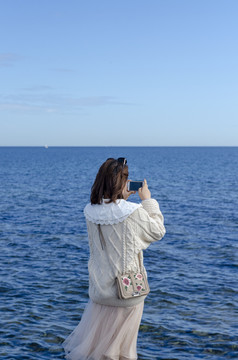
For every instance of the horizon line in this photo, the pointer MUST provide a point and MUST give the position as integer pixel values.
(113, 146)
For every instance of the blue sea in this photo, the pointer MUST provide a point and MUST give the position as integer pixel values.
(192, 310)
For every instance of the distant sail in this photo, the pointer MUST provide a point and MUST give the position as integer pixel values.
(46, 146)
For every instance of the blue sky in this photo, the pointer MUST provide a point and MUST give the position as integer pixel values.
(140, 73)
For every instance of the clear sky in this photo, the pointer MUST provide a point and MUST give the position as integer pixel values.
(119, 72)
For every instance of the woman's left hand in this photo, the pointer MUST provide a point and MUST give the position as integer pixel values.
(126, 193)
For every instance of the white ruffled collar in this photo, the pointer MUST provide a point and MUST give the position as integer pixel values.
(111, 213)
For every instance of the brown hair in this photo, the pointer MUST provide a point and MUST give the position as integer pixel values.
(109, 182)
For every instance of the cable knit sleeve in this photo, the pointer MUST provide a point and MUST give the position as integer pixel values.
(148, 224)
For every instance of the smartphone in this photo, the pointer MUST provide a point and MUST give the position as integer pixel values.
(134, 185)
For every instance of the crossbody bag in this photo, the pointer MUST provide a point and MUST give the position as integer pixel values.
(130, 284)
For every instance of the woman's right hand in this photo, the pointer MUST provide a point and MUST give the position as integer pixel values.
(144, 192)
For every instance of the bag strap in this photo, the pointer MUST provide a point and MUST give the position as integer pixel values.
(140, 262)
(101, 237)
(103, 245)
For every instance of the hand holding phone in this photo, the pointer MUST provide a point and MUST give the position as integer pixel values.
(144, 192)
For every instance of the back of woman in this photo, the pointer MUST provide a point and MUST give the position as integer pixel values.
(118, 232)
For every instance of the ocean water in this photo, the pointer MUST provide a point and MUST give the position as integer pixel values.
(192, 310)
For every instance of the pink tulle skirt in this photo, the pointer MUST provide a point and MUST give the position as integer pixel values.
(105, 333)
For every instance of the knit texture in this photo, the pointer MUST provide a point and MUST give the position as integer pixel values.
(124, 240)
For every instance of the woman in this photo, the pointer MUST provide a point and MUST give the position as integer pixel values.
(118, 230)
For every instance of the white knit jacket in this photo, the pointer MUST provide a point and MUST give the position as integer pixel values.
(127, 228)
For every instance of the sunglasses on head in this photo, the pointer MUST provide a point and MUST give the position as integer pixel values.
(122, 161)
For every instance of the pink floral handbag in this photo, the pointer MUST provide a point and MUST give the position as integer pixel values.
(130, 284)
